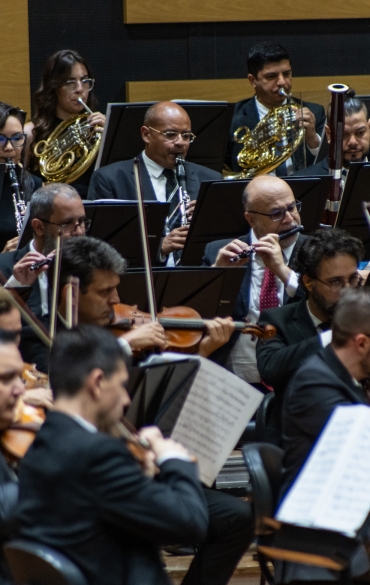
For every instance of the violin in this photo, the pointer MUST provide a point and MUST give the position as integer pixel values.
(16, 440)
(183, 326)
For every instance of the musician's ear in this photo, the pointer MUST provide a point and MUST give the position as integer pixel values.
(327, 132)
(250, 219)
(145, 134)
(38, 227)
(307, 281)
(252, 80)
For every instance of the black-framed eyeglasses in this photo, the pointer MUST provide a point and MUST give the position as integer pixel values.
(337, 284)
(82, 223)
(279, 214)
(17, 140)
(172, 135)
(72, 84)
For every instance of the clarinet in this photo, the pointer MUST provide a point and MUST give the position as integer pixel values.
(19, 204)
(183, 194)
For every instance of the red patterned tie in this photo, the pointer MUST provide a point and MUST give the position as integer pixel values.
(269, 293)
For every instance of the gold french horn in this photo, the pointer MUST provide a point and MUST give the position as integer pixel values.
(69, 151)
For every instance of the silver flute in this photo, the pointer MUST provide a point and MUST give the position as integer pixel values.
(183, 194)
(18, 201)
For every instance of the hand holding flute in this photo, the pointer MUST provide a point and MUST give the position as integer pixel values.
(30, 266)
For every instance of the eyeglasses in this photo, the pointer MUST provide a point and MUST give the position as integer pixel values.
(70, 227)
(17, 140)
(72, 84)
(172, 135)
(337, 284)
(279, 214)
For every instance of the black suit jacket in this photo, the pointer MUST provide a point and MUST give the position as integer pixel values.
(117, 181)
(320, 168)
(242, 304)
(295, 340)
(246, 114)
(84, 494)
(319, 385)
(7, 262)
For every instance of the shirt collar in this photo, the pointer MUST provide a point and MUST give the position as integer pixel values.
(153, 168)
(315, 320)
(84, 423)
(262, 110)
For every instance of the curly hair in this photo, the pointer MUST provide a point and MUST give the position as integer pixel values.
(322, 245)
(57, 70)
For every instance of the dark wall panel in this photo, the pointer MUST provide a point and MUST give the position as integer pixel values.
(120, 53)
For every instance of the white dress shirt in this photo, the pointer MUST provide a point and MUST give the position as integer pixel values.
(325, 336)
(242, 358)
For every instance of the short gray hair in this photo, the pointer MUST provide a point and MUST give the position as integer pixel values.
(42, 200)
(352, 315)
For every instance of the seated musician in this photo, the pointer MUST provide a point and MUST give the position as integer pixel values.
(269, 70)
(166, 134)
(356, 138)
(328, 379)
(66, 78)
(106, 516)
(270, 209)
(326, 263)
(12, 148)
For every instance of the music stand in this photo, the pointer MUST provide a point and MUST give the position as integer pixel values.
(210, 123)
(210, 291)
(219, 212)
(351, 216)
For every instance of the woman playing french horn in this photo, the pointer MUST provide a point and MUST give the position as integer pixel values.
(66, 78)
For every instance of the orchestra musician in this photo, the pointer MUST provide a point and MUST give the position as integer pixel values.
(143, 520)
(166, 133)
(326, 263)
(66, 78)
(12, 147)
(328, 379)
(270, 209)
(270, 70)
(356, 138)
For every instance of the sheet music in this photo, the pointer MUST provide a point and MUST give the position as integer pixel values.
(331, 492)
(215, 413)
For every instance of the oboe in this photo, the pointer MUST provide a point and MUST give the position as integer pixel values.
(183, 194)
(19, 204)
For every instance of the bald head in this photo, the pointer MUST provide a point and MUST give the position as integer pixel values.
(264, 195)
(164, 117)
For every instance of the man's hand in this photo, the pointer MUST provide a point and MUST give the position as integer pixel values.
(270, 251)
(175, 240)
(39, 397)
(97, 120)
(190, 209)
(11, 245)
(226, 254)
(161, 446)
(145, 336)
(218, 333)
(22, 272)
(309, 123)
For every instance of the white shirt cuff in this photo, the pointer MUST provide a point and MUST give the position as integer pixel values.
(292, 285)
(125, 346)
(13, 283)
(325, 337)
(315, 151)
(172, 455)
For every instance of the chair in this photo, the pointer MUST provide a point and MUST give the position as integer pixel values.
(31, 563)
(268, 421)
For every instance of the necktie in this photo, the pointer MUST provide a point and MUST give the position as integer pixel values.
(269, 293)
(172, 196)
(325, 325)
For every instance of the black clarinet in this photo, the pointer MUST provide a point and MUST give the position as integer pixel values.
(19, 204)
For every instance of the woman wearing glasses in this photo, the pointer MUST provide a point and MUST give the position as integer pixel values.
(12, 148)
(66, 78)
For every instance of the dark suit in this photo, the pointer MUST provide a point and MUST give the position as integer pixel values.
(117, 181)
(295, 340)
(320, 168)
(84, 494)
(319, 385)
(246, 114)
(242, 304)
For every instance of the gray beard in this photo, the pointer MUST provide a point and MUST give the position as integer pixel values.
(49, 243)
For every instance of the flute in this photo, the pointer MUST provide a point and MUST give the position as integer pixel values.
(282, 236)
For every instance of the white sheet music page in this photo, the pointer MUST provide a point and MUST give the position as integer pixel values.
(215, 413)
(331, 492)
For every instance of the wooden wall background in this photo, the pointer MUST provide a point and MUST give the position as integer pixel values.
(14, 54)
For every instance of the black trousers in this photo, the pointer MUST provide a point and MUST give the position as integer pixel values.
(230, 532)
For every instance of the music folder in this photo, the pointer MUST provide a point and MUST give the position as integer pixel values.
(210, 122)
(210, 291)
(219, 212)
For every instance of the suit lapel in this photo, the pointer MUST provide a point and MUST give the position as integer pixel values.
(302, 321)
(250, 110)
(146, 184)
(192, 182)
(354, 393)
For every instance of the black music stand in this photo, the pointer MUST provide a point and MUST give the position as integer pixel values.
(117, 222)
(158, 391)
(210, 291)
(210, 123)
(219, 212)
(351, 216)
